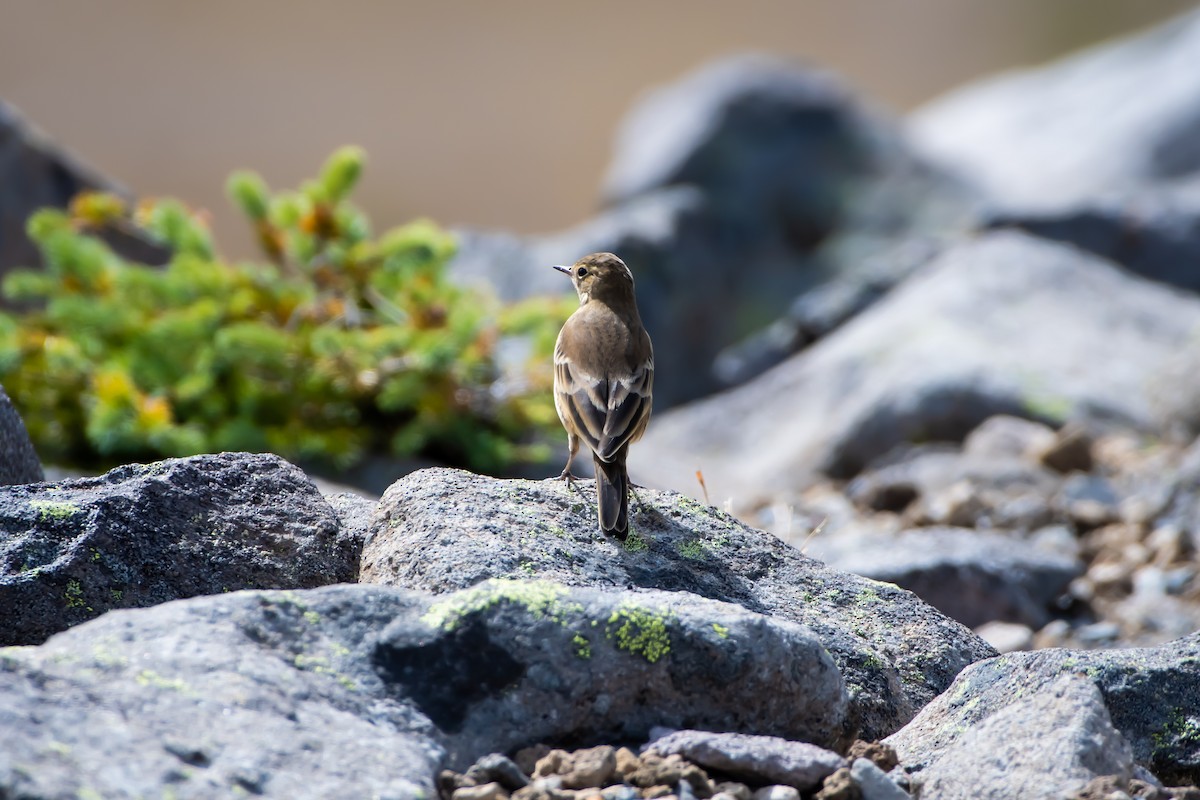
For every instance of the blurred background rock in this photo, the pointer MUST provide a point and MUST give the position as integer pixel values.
(491, 115)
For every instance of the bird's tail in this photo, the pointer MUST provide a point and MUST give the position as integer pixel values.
(612, 495)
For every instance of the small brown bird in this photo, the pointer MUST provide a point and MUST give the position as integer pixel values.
(603, 379)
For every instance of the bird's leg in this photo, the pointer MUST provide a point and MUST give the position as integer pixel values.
(572, 449)
(636, 499)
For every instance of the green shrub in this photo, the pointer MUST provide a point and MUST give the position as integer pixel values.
(342, 344)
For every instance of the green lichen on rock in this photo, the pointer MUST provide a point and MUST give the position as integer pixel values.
(640, 631)
(539, 598)
(73, 595)
(1180, 730)
(634, 543)
(53, 509)
(583, 648)
(149, 677)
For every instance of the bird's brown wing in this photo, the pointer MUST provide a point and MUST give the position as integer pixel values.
(628, 411)
(606, 413)
(581, 400)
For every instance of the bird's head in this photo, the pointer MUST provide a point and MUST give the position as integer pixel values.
(600, 276)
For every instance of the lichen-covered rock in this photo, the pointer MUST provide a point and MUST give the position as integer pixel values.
(442, 530)
(359, 691)
(970, 575)
(269, 694)
(1050, 741)
(148, 533)
(1149, 693)
(488, 663)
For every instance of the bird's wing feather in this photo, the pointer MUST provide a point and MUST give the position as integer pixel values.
(607, 414)
(628, 410)
(584, 398)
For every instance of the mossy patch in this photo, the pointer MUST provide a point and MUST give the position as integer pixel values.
(73, 595)
(1180, 732)
(149, 677)
(634, 543)
(640, 631)
(539, 598)
(54, 509)
(583, 648)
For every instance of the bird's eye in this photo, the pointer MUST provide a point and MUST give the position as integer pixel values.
(582, 272)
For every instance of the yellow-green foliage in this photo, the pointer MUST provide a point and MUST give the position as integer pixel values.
(340, 344)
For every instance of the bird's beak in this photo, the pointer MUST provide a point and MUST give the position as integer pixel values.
(562, 269)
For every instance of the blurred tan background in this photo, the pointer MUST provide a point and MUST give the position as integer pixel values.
(496, 114)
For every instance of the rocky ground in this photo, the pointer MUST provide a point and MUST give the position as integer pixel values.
(489, 617)
(935, 537)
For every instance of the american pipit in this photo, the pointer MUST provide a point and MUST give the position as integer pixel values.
(603, 379)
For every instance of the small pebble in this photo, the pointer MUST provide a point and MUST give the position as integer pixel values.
(627, 762)
(777, 792)
(488, 791)
(592, 768)
(839, 786)
(874, 782)
(498, 768)
(738, 791)
(527, 757)
(880, 754)
(1098, 632)
(620, 791)
(1006, 637)
(556, 762)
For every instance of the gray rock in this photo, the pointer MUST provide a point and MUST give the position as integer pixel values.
(776, 793)
(971, 576)
(492, 660)
(19, 462)
(263, 693)
(1006, 637)
(147, 533)
(757, 129)
(441, 530)
(874, 782)
(1151, 230)
(354, 513)
(755, 759)
(960, 341)
(498, 768)
(1088, 500)
(1004, 436)
(368, 691)
(1050, 741)
(1068, 131)
(1150, 695)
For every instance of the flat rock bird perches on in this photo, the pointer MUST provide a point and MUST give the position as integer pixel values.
(603, 379)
